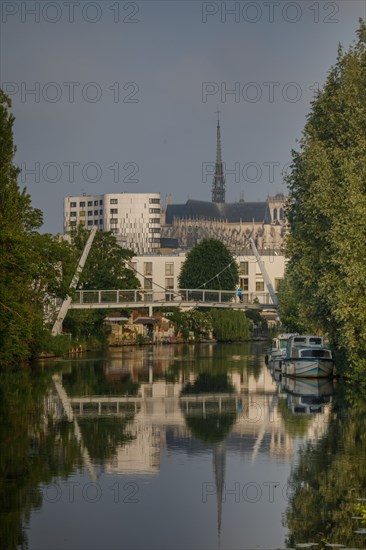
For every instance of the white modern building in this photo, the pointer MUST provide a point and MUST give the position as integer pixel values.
(133, 217)
(161, 271)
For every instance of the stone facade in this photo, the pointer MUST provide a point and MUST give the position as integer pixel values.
(231, 223)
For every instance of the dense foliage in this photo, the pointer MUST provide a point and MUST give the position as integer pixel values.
(209, 265)
(326, 277)
(36, 268)
(230, 325)
(29, 262)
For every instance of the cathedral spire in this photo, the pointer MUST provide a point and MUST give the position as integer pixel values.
(218, 184)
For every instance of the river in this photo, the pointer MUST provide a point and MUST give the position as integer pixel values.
(178, 447)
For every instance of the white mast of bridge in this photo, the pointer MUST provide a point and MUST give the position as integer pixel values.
(57, 327)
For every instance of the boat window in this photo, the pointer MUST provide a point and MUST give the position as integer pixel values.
(315, 341)
(300, 410)
(315, 353)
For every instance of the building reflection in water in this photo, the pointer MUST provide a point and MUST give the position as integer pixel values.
(170, 405)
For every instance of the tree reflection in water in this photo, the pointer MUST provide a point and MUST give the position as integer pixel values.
(212, 424)
(34, 449)
(328, 479)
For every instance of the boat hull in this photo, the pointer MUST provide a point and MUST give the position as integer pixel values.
(308, 368)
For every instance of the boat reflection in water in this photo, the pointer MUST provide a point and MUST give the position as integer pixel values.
(307, 396)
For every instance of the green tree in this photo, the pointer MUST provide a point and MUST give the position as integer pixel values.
(106, 268)
(327, 210)
(230, 325)
(209, 265)
(107, 264)
(26, 274)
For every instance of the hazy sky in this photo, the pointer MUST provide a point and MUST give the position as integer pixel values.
(125, 93)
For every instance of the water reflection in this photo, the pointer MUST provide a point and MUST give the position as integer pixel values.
(215, 410)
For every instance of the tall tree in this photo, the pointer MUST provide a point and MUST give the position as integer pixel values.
(209, 265)
(20, 313)
(327, 209)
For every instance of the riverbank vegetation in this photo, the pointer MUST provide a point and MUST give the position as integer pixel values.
(324, 286)
(37, 268)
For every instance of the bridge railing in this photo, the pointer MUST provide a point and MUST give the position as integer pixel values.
(169, 295)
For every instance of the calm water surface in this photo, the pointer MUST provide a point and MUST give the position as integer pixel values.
(178, 447)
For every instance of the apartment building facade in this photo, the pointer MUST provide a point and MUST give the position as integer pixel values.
(160, 272)
(133, 217)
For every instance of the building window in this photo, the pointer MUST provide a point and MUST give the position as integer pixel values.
(101, 222)
(114, 222)
(114, 210)
(277, 284)
(154, 210)
(82, 204)
(82, 223)
(147, 284)
(259, 286)
(90, 222)
(90, 203)
(113, 201)
(114, 230)
(148, 269)
(169, 283)
(169, 269)
(275, 214)
(96, 222)
(282, 214)
(72, 214)
(100, 202)
(82, 213)
(72, 204)
(101, 212)
(244, 268)
(90, 212)
(95, 203)
(72, 224)
(95, 212)
(154, 220)
(154, 230)
(244, 284)
(154, 201)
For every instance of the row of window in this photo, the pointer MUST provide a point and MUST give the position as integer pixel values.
(169, 284)
(90, 213)
(259, 285)
(82, 204)
(148, 268)
(114, 201)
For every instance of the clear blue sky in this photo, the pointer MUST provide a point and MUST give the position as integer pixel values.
(150, 62)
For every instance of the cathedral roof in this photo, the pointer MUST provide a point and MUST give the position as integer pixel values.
(232, 212)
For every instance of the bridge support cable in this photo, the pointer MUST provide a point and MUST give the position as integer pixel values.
(57, 327)
(266, 278)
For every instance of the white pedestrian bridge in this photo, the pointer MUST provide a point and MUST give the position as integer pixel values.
(185, 298)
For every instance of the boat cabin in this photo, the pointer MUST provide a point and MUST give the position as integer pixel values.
(307, 340)
(281, 341)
